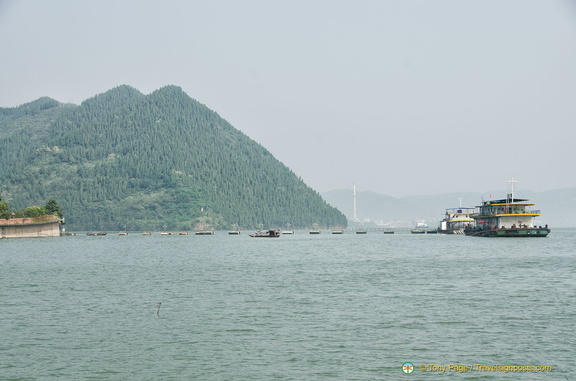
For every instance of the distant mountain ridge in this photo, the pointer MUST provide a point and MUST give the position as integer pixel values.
(558, 207)
(125, 160)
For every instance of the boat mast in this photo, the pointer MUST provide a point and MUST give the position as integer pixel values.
(512, 188)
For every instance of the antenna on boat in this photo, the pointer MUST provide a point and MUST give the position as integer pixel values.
(512, 188)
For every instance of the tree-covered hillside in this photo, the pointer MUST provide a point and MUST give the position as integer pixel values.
(147, 162)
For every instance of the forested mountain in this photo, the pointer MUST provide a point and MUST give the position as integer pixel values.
(144, 162)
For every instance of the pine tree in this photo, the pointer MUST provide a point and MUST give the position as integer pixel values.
(53, 208)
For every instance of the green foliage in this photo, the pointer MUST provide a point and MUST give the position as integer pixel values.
(4, 210)
(52, 207)
(150, 162)
(31, 212)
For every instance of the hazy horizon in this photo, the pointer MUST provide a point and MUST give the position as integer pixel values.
(400, 98)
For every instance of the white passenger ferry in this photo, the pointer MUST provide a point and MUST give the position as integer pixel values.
(508, 217)
(456, 220)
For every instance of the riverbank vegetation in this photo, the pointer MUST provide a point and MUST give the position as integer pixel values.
(52, 208)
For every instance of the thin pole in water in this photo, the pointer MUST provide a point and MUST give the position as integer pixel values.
(158, 312)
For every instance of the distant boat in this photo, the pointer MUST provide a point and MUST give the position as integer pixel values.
(99, 233)
(122, 233)
(235, 230)
(456, 220)
(288, 229)
(314, 231)
(337, 231)
(204, 232)
(270, 233)
(361, 231)
(420, 228)
(183, 233)
(508, 217)
(146, 233)
(388, 231)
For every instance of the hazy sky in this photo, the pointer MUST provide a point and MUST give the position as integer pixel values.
(401, 97)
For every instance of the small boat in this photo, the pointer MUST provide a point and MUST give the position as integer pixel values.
(420, 228)
(235, 230)
(455, 220)
(99, 233)
(183, 233)
(147, 233)
(361, 231)
(314, 231)
(507, 217)
(270, 233)
(338, 231)
(122, 233)
(288, 232)
(166, 233)
(204, 232)
(388, 231)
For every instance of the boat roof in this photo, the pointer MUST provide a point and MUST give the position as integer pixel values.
(507, 201)
(460, 208)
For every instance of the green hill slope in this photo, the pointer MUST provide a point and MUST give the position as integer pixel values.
(146, 162)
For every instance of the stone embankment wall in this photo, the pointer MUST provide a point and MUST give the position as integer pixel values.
(43, 226)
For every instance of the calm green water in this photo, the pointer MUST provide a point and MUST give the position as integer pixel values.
(302, 307)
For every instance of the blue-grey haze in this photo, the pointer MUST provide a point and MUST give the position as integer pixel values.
(401, 97)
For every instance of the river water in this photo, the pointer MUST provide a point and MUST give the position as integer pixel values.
(301, 307)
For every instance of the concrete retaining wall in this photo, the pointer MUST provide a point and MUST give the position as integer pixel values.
(30, 227)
